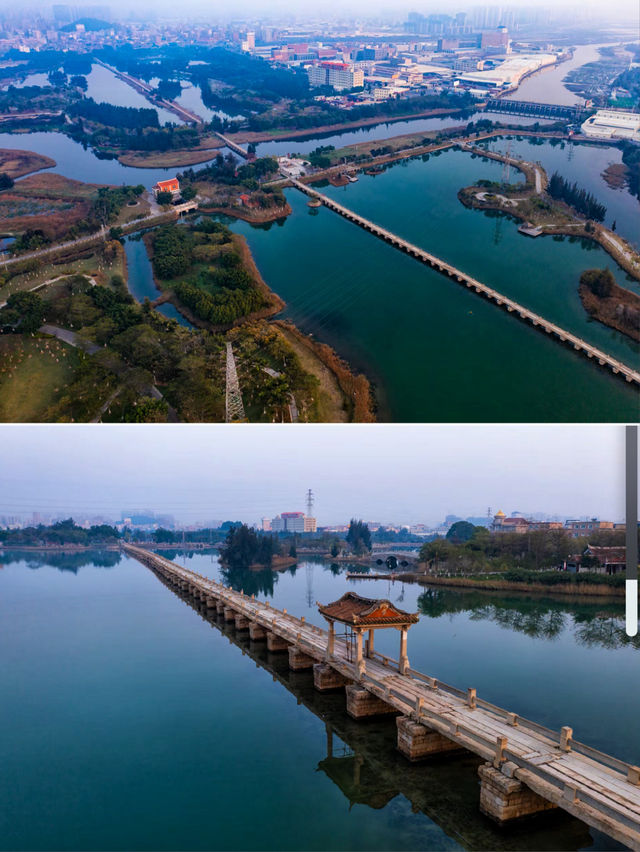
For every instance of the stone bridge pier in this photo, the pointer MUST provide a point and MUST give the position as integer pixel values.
(503, 798)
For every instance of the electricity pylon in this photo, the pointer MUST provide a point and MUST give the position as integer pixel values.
(234, 409)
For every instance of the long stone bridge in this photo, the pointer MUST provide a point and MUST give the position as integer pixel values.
(528, 768)
(510, 305)
(369, 770)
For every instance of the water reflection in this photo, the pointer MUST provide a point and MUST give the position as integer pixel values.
(592, 622)
(62, 560)
(362, 760)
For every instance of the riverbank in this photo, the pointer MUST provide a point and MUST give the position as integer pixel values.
(257, 136)
(350, 397)
(619, 310)
(582, 589)
(546, 215)
(56, 548)
(170, 159)
(17, 164)
(258, 216)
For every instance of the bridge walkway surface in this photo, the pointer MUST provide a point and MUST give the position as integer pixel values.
(529, 768)
(572, 340)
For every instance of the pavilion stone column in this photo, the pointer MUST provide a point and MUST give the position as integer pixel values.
(370, 643)
(404, 660)
(360, 665)
(331, 640)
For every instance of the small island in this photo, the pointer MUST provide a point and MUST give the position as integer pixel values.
(609, 303)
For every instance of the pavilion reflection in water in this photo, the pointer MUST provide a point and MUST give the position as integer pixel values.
(362, 760)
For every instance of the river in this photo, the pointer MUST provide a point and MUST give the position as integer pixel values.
(384, 131)
(135, 723)
(584, 164)
(546, 86)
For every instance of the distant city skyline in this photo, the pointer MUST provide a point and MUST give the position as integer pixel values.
(397, 474)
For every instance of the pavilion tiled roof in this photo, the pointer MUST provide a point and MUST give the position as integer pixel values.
(356, 610)
(608, 555)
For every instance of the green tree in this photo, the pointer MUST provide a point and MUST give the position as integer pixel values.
(23, 313)
(359, 537)
(600, 281)
(164, 198)
(461, 531)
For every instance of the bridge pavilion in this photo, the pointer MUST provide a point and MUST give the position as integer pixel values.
(360, 614)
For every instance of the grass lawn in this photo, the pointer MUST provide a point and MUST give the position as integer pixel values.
(33, 375)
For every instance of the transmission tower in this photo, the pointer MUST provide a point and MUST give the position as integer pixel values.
(309, 503)
(233, 405)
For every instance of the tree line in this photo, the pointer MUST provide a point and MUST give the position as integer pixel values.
(62, 532)
(483, 551)
(114, 116)
(584, 202)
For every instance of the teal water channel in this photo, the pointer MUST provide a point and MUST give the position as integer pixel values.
(131, 722)
(140, 279)
(434, 351)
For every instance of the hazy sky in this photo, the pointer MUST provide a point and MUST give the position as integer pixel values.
(390, 473)
(384, 9)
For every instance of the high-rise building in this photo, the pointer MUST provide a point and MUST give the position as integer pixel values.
(339, 75)
(295, 522)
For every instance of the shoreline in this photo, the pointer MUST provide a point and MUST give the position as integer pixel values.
(604, 309)
(355, 387)
(258, 136)
(577, 589)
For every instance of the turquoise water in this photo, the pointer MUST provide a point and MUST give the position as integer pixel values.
(418, 201)
(584, 164)
(136, 723)
(434, 351)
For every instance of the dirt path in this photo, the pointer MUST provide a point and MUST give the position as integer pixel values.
(330, 398)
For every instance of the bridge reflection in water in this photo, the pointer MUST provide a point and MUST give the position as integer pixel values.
(362, 760)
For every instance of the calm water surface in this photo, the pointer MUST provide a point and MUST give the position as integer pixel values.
(434, 351)
(547, 87)
(383, 131)
(136, 723)
(584, 164)
(105, 87)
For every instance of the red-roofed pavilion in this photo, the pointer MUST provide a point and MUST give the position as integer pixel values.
(367, 614)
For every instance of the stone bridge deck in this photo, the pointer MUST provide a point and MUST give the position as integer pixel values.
(233, 145)
(529, 768)
(510, 305)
